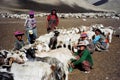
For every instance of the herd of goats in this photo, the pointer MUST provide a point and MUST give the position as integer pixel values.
(38, 62)
(64, 15)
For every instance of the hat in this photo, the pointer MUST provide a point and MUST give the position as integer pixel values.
(18, 33)
(30, 31)
(82, 43)
(83, 35)
(31, 13)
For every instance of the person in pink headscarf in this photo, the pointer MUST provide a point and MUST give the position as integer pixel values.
(30, 24)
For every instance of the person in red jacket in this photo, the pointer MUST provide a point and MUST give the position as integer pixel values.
(52, 21)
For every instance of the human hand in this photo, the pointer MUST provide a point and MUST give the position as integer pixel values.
(77, 57)
(72, 65)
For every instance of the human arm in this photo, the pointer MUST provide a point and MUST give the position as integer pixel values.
(96, 39)
(82, 58)
(26, 21)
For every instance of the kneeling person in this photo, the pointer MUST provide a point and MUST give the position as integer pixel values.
(83, 57)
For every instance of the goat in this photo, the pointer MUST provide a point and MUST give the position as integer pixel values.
(33, 71)
(6, 76)
(62, 54)
(59, 70)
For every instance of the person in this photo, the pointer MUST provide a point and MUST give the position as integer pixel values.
(83, 58)
(19, 43)
(90, 45)
(52, 21)
(100, 41)
(30, 24)
(83, 37)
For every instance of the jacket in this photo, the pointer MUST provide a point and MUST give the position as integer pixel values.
(85, 56)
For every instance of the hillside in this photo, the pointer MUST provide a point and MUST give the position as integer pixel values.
(66, 6)
(106, 4)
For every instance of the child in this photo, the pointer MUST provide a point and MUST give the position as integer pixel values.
(19, 43)
(30, 24)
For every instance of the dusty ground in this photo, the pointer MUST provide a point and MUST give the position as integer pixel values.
(106, 64)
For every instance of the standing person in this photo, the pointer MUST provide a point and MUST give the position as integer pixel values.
(19, 43)
(52, 21)
(83, 57)
(30, 24)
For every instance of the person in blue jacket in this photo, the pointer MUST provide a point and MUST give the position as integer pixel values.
(99, 40)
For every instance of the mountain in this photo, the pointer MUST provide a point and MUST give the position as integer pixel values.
(64, 6)
(112, 5)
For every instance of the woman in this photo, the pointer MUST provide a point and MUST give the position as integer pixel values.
(30, 24)
(100, 41)
(52, 20)
(83, 57)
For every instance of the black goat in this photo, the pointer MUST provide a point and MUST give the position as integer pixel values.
(6, 76)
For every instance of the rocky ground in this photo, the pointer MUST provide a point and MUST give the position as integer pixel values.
(106, 64)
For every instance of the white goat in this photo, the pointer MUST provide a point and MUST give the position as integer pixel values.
(32, 71)
(62, 54)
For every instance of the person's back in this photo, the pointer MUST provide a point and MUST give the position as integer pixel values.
(19, 44)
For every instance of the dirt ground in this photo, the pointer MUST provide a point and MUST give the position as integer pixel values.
(106, 64)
